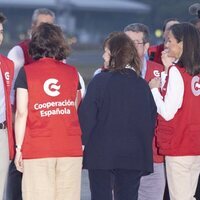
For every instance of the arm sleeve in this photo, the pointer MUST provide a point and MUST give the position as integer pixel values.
(21, 81)
(168, 106)
(163, 78)
(88, 111)
(17, 56)
(153, 111)
(82, 84)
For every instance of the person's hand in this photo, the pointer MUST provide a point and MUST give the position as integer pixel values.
(18, 161)
(166, 60)
(155, 83)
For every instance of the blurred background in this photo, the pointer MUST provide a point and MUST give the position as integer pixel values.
(86, 23)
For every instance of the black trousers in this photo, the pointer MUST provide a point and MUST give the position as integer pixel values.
(197, 195)
(166, 194)
(123, 183)
(14, 183)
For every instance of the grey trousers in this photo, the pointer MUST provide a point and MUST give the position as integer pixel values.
(152, 186)
(4, 160)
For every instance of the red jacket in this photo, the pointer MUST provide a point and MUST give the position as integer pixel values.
(154, 53)
(7, 69)
(52, 128)
(25, 48)
(181, 135)
(154, 70)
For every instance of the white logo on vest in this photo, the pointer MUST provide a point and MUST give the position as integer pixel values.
(51, 88)
(195, 85)
(7, 76)
(156, 73)
(51, 108)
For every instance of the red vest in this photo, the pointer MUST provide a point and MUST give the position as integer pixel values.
(7, 69)
(28, 60)
(154, 70)
(181, 135)
(25, 48)
(52, 128)
(154, 53)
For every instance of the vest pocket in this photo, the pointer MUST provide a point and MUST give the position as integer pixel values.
(74, 131)
(164, 136)
(192, 132)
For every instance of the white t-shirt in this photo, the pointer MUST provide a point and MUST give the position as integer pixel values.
(2, 100)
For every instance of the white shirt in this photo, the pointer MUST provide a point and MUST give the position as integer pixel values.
(168, 107)
(2, 100)
(17, 56)
(97, 71)
(144, 68)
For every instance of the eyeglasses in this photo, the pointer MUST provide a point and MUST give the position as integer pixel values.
(137, 43)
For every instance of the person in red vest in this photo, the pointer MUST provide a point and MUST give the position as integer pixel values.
(6, 133)
(151, 186)
(179, 123)
(19, 54)
(155, 51)
(47, 131)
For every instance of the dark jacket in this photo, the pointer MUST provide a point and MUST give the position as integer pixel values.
(117, 118)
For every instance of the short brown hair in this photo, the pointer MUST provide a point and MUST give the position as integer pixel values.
(109, 37)
(123, 53)
(138, 27)
(48, 41)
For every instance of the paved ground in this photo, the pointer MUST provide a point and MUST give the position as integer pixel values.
(85, 193)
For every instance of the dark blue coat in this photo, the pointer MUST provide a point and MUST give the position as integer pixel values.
(117, 118)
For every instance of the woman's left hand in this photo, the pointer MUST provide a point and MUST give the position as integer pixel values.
(155, 83)
(19, 162)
